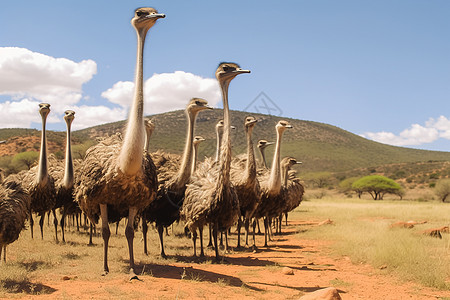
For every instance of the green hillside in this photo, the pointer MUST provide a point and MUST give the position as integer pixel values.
(321, 147)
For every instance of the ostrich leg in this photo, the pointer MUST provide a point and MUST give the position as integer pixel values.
(266, 230)
(254, 233)
(41, 224)
(200, 230)
(31, 224)
(106, 233)
(161, 240)
(194, 242)
(214, 233)
(129, 234)
(144, 235)
(55, 223)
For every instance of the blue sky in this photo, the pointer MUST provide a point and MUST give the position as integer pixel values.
(380, 69)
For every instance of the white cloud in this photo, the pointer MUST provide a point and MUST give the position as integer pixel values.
(166, 92)
(87, 116)
(21, 113)
(57, 81)
(28, 78)
(416, 134)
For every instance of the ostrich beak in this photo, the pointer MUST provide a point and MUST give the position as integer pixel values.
(299, 162)
(289, 126)
(241, 71)
(156, 16)
(269, 143)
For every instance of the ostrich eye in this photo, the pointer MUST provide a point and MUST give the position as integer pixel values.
(141, 13)
(228, 68)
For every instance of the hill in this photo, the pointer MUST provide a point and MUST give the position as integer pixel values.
(321, 147)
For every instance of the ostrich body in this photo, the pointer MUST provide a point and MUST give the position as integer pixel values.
(246, 184)
(14, 211)
(271, 185)
(172, 184)
(117, 179)
(37, 181)
(292, 188)
(212, 198)
(65, 177)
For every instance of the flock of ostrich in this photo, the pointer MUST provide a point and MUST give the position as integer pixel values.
(119, 177)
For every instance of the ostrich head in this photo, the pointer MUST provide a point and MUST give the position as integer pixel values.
(198, 139)
(196, 105)
(219, 125)
(44, 110)
(262, 144)
(149, 126)
(282, 126)
(226, 71)
(288, 162)
(144, 18)
(250, 123)
(69, 115)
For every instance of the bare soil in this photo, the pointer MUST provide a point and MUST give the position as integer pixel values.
(243, 274)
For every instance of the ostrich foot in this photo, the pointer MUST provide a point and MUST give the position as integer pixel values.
(105, 272)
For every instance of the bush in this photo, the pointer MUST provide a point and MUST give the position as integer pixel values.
(442, 189)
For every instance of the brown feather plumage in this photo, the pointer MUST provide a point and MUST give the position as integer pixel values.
(100, 176)
(14, 211)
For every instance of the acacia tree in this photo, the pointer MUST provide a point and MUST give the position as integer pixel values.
(377, 186)
(442, 189)
(25, 158)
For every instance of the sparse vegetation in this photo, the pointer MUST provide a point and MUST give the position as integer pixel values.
(361, 231)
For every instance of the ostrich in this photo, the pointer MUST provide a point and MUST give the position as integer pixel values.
(212, 198)
(246, 184)
(37, 181)
(292, 188)
(116, 179)
(14, 211)
(65, 178)
(271, 184)
(197, 140)
(172, 183)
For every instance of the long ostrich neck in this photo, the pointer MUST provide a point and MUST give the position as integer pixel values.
(42, 175)
(219, 142)
(68, 171)
(130, 157)
(186, 164)
(225, 150)
(284, 174)
(148, 133)
(194, 158)
(275, 175)
(263, 157)
(250, 170)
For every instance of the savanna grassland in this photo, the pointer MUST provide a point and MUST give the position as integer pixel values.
(358, 253)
